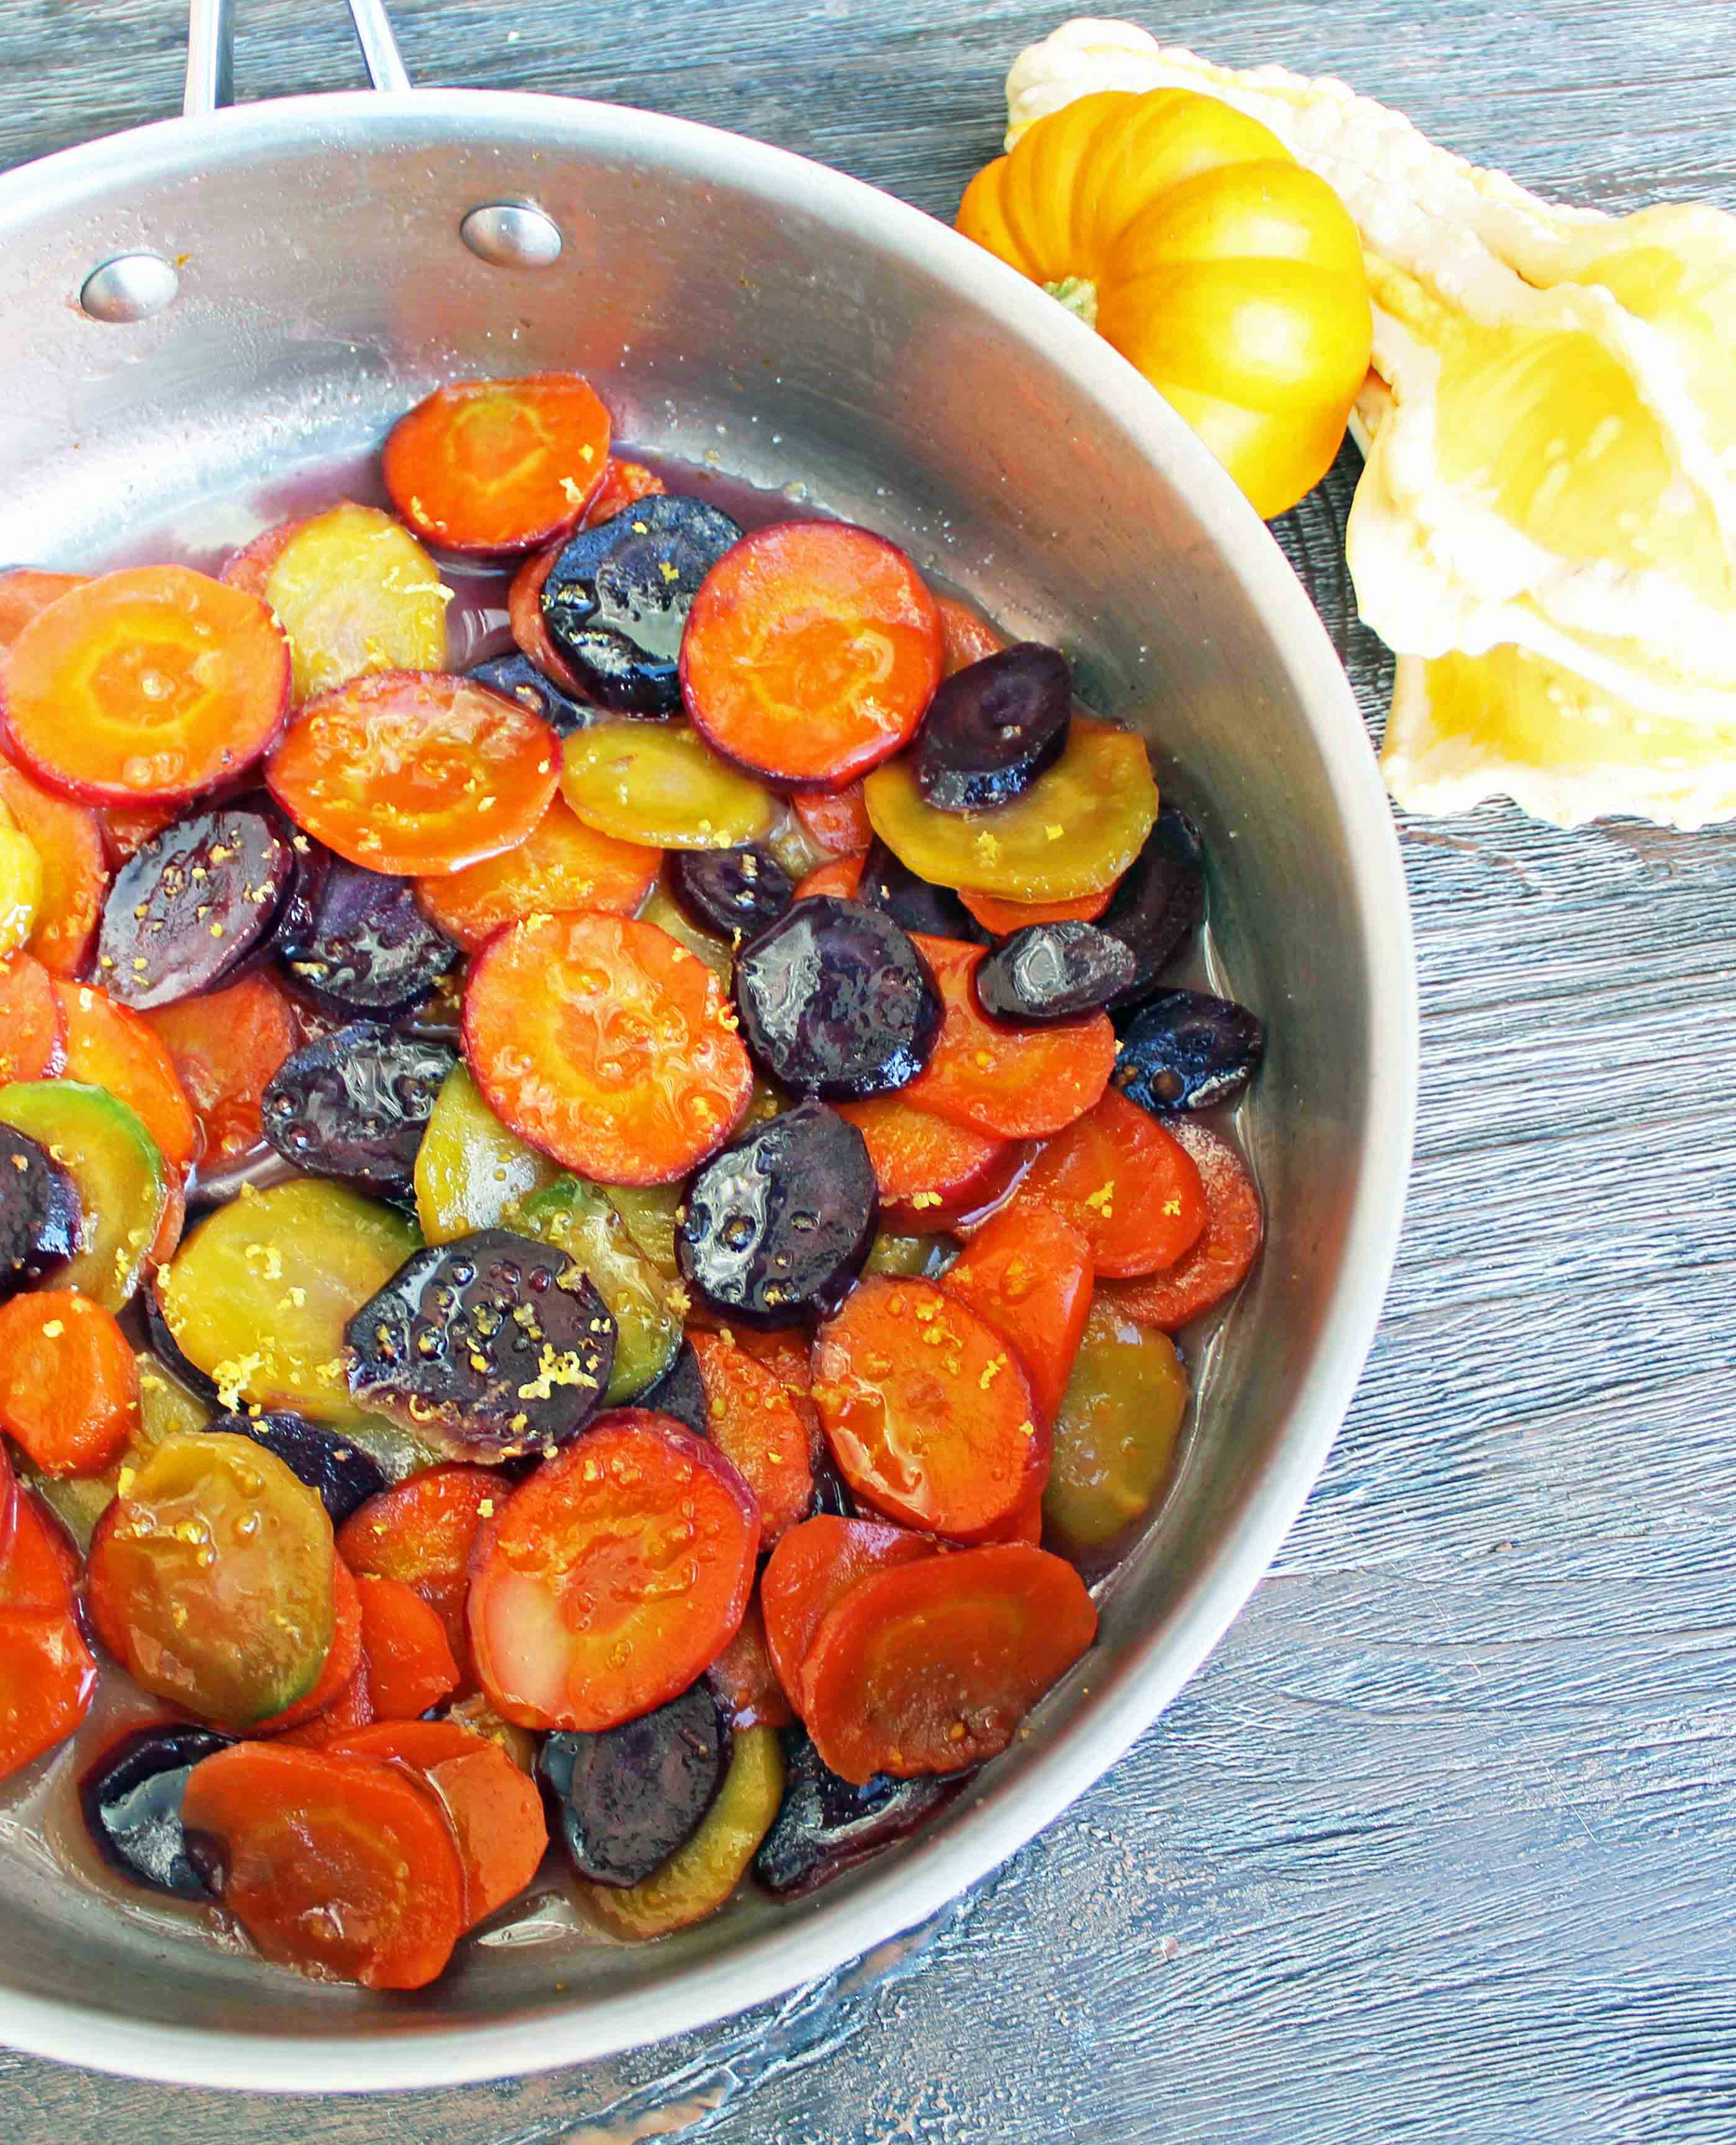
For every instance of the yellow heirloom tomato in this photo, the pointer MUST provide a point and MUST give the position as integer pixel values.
(1190, 239)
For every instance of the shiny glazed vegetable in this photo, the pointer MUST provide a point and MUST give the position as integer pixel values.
(630, 1339)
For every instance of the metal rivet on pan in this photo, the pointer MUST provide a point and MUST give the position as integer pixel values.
(512, 235)
(132, 286)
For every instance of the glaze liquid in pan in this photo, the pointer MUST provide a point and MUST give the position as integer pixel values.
(40, 1807)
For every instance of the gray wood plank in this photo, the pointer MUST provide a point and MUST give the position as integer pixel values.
(1438, 1846)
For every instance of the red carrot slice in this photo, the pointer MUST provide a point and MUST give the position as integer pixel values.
(353, 1708)
(342, 1665)
(68, 839)
(226, 1046)
(406, 1653)
(127, 828)
(1025, 1523)
(414, 772)
(1004, 917)
(1125, 1183)
(1028, 1272)
(928, 1412)
(1017, 1082)
(745, 1680)
(146, 685)
(47, 1672)
(110, 1046)
(496, 1812)
(69, 1388)
(170, 1227)
(498, 465)
(39, 1571)
(614, 1576)
(842, 876)
(25, 590)
(931, 1666)
(756, 1424)
(1226, 1248)
(838, 820)
(931, 1173)
(624, 484)
(811, 652)
(421, 1532)
(815, 1564)
(32, 1042)
(966, 636)
(345, 1868)
(525, 609)
(607, 1044)
(562, 863)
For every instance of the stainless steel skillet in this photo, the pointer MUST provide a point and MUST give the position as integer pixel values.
(300, 272)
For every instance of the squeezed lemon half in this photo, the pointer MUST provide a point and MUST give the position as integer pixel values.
(1545, 529)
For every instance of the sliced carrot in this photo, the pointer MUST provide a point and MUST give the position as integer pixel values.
(811, 653)
(562, 863)
(405, 1652)
(226, 1046)
(127, 828)
(250, 567)
(1025, 1523)
(342, 1665)
(146, 685)
(47, 1672)
(353, 1708)
(966, 637)
(815, 1564)
(1226, 1246)
(69, 1388)
(623, 482)
(928, 1413)
(785, 1355)
(68, 840)
(414, 772)
(8, 1503)
(1017, 1082)
(47, 1679)
(24, 590)
(614, 1576)
(841, 877)
(33, 1041)
(345, 1868)
(745, 1680)
(1028, 1272)
(607, 1044)
(498, 465)
(1003, 918)
(525, 609)
(838, 820)
(421, 1532)
(39, 1571)
(1125, 1183)
(931, 1173)
(931, 1666)
(756, 1424)
(110, 1046)
(496, 1813)
(170, 1227)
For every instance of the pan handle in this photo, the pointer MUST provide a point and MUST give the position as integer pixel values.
(211, 51)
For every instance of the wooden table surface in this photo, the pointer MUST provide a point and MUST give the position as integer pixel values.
(1438, 1845)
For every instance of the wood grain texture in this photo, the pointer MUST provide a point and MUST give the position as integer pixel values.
(1439, 1844)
